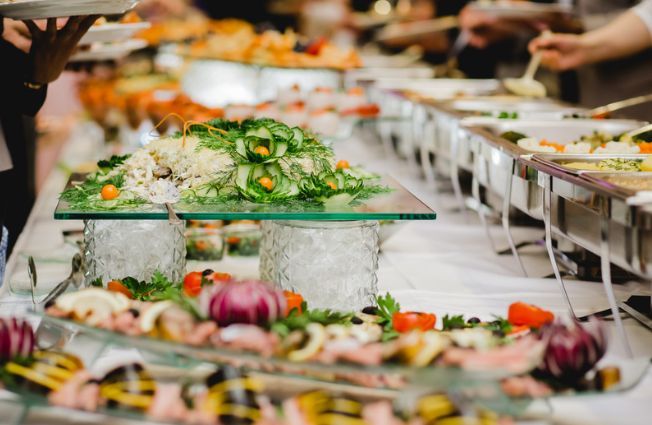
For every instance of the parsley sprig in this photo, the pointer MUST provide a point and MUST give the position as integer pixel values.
(299, 321)
(387, 306)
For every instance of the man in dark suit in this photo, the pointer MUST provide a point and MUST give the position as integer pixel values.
(23, 88)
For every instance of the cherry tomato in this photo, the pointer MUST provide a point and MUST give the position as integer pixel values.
(342, 164)
(293, 300)
(524, 314)
(261, 150)
(117, 286)
(192, 284)
(266, 182)
(109, 192)
(412, 320)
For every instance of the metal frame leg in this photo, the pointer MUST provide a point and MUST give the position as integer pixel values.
(475, 191)
(507, 202)
(605, 265)
(455, 176)
(547, 221)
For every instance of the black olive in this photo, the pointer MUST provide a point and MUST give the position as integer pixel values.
(372, 309)
(356, 320)
(134, 312)
(207, 272)
(473, 320)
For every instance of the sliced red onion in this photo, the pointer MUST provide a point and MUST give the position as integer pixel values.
(16, 339)
(573, 349)
(249, 302)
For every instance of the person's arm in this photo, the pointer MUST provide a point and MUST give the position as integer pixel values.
(25, 76)
(14, 84)
(626, 35)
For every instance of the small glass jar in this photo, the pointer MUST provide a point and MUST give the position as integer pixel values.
(204, 244)
(243, 239)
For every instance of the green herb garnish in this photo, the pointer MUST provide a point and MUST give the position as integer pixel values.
(387, 306)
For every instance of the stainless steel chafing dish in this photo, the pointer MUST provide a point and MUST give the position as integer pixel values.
(496, 157)
(602, 218)
(407, 96)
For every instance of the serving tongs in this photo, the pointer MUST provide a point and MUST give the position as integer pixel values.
(75, 278)
(604, 111)
(630, 135)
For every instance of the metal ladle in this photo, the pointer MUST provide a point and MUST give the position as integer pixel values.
(526, 85)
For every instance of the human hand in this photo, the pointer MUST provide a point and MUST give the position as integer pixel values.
(561, 51)
(484, 29)
(17, 33)
(51, 48)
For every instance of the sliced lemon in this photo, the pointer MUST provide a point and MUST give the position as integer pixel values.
(150, 315)
(316, 339)
(117, 301)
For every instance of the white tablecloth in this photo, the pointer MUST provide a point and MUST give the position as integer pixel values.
(442, 266)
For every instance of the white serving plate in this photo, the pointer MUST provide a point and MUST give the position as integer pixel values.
(519, 9)
(41, 9)
(112, 31)
(105, 52)
(440, 88)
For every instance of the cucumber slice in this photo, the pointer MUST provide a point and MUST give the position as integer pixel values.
(297, 138)
(262, 132)
(242, 175)
(281, 148)
(282, 132)
(240, 148)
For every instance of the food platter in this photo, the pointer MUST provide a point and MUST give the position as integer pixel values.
(112, 32)
(508, 9)
(41, 9)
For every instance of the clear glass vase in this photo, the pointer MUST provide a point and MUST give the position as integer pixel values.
(115, 249)
(332, 264)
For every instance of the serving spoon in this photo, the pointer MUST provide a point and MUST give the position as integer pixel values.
(603, 111)
(526, 85)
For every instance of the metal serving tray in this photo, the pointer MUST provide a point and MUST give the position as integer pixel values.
(500, 156)
(581, 201)
(558, 161)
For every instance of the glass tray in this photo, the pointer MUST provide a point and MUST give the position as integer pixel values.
(399, 204)
(433, 377)
(468, 388)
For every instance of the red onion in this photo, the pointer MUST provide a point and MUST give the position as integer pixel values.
(573, 349)
(16, 339)
(251, 302)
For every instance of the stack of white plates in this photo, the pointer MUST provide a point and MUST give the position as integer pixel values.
(41, 9)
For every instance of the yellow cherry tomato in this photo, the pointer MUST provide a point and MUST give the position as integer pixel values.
(261, 150)
(109, 192)
(266, 182)
(342, 164)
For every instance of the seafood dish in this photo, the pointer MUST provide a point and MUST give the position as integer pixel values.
(212, 309)
(219, 161)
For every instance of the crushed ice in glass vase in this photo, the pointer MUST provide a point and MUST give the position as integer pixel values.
(138, 248)
(332, 264)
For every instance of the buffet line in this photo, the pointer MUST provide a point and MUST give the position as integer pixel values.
(586, 178)
(244, 135)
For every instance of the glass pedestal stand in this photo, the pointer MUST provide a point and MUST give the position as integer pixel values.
(115, 249)
(332, 264)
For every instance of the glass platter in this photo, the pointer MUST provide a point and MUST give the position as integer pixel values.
(399, 204)
(467, 387)
(434, 378)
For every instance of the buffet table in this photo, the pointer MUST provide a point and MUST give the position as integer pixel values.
(443, 266)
